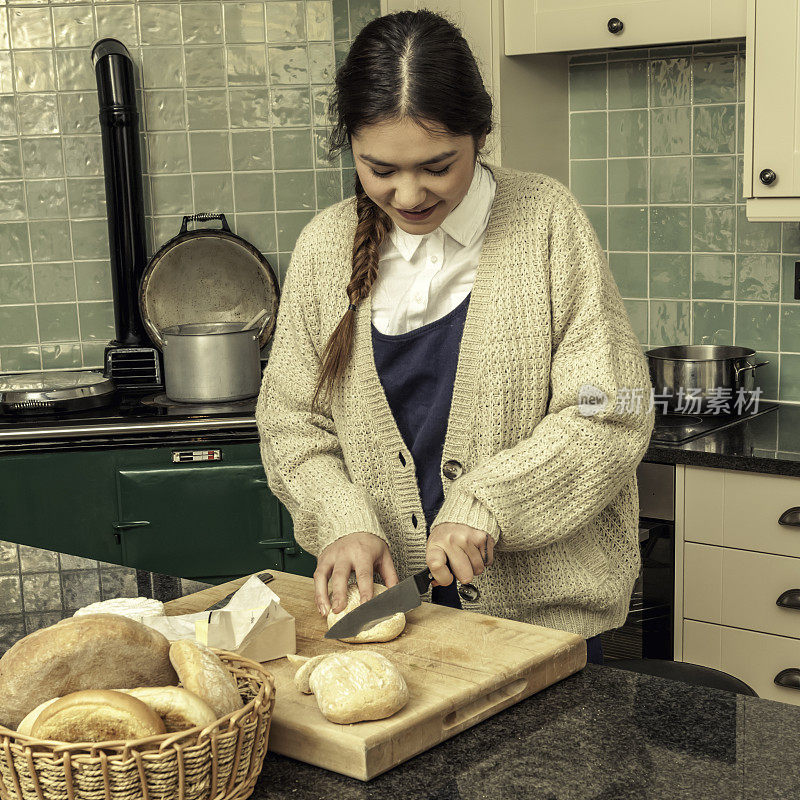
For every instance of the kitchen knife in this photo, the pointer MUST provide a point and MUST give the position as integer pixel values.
(404, 597)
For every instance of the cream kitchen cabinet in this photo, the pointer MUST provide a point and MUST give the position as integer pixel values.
(547, 26)
(738, 577)
(771, 177)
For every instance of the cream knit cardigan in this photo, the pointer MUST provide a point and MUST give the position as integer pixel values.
(554, 487)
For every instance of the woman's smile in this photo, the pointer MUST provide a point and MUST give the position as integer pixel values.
(418, 216)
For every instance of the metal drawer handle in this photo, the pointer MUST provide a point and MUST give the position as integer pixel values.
(790, 517)
(789, 599)
(289, 545)
(788, 678)
(126, 526)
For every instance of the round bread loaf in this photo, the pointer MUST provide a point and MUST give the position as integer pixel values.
(179, 708)
(201, 672)
(27, 724)
(98, 651)
(96, 716)
(384, 631)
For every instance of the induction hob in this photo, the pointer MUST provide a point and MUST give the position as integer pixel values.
(682, 428)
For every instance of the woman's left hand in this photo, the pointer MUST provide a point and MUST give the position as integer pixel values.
(468, 550)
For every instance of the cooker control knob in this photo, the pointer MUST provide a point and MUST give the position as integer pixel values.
(615, 25)
(767, 176)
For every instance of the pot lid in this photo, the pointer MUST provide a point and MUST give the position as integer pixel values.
(207, 276)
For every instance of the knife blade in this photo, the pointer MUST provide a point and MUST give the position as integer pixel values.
(406, 596)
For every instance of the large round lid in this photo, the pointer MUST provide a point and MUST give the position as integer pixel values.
(42, 391)
(207, 276)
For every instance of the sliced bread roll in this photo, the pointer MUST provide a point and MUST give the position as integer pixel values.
(201, 672)
(96, 716)
(26, 725)
(98, 651)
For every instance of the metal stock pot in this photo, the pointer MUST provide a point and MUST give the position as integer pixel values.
(702, 371)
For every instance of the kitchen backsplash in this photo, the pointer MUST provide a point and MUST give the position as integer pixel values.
(656, 142)
(233, 110)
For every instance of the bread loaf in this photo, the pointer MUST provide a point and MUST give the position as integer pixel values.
(384, 631)
(96, 716)
(201, 672)
(98, 651)
(179, 708)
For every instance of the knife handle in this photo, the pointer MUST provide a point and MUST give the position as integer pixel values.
(423, 580)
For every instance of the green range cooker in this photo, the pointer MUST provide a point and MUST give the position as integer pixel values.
(146, 483)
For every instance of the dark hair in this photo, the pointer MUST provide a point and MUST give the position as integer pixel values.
(413, 64)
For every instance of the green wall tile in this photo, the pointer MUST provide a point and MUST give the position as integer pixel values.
(12, 201)
(8, 116)
(757, 237)
(41, 157)
(54, 282)
(757, 326)
(97, 320)
(18, 325)
(670, 179)
(73, 26)
(757, 276)
(715, 129)
(630, 273)
(712, 275)
(65, 355)
(87, 197)
(341, 19)
(290, 223)
(164, 110)
(90, 239)
(252, 150)
(14, 244)
(714, 79)
(588, 181)
(670, 275)
(627, 84)
(210, 151)
(767, 377)
(82, 156)
(288, 64)
(627, 228)
(247, 64)
(10, 159)
(713, 228)
(295, 190)
(19, 359)
(93, 280)
(627, 181)
(34, 70)
(790, 237)
(213, 192)
(712, 323)
(787, 279)
(206, 109)
(669, 322)
(292, 148)
(670, 82)
(362, 12)
(285, 21)
(74, 71)
(259, 229)
(201, 22)
(714, 179)
(637, 314)
(58, 322)
(249, 108)
(118, 20)
(253, 191)
(205, 66)
(328, 186)
(627, 133)
(587, 134)
(595, 214)
(244, 22)
(50, 240)
(790, 329)
(160, 23)
(290, 107)
(29, 28)
(170, 194)
(587, 87)
(790, 378)
(39, 114)
(321, 63)
(167, 152)
(319, 20)
(93, 354)
(669, 228)
(16, 284)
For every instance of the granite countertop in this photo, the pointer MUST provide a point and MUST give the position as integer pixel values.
(766, 443)
(603, 734)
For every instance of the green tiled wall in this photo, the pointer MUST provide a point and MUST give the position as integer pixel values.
(656, 147)
(233, 107)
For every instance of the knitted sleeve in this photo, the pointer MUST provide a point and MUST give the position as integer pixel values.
(581, 454)
(300, 450)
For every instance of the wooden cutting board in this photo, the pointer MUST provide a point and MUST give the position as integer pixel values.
(460, 668)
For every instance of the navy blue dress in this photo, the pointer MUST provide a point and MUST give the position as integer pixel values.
(417, 370)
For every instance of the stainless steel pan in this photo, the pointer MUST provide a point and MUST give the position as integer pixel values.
(704, 372)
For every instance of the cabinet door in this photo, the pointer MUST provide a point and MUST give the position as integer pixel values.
(60, 501)
(199, 521)
(542, 26)
(772, 55)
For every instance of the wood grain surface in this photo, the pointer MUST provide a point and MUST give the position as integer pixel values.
(460, 668)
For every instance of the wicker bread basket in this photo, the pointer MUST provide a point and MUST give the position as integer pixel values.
(221, 761)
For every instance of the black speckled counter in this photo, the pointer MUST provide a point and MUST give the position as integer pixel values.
(603, 734)
(767, 443)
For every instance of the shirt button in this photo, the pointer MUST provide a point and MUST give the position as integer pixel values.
(452, 470)
(434, 259)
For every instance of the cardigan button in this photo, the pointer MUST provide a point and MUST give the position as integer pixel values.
(452, 470)
(468, 592)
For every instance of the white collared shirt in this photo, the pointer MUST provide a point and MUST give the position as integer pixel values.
(422, 278)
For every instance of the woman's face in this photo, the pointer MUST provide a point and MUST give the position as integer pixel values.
(415, 176)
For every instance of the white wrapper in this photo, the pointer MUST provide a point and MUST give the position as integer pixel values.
(253, 623)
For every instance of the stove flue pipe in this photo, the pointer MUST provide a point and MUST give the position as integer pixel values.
(119, 125)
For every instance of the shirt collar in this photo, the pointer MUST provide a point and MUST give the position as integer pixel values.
(464, 223)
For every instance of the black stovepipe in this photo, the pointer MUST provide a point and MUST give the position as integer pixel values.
(119, 126)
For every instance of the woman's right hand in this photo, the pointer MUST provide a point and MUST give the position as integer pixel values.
(362, 553)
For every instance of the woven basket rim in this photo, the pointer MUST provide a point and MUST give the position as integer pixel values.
(159, 742)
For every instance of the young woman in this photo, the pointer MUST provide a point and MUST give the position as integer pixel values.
(454, 381)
